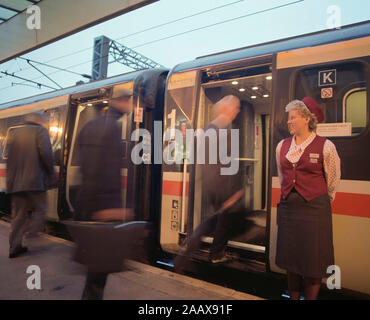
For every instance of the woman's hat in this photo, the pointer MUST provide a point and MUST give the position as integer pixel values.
(314, 107)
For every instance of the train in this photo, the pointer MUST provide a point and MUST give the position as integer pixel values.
(331, 66)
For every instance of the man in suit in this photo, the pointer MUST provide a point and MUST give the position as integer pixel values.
(100, 197)
(224, 192)
(30, 173)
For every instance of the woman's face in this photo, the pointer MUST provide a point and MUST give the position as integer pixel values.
(296, 123)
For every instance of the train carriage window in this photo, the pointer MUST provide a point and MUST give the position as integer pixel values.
(87, 113)
(6, 125)
(354, 109)
(56, 127)
(340, 90)
(2, 138)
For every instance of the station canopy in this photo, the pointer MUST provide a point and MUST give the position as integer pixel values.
(58, 19)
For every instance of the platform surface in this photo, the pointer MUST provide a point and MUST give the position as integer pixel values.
(63, 279)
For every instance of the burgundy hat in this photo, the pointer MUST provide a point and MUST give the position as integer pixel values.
(314, 107)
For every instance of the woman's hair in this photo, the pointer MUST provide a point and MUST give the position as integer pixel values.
(304, 112)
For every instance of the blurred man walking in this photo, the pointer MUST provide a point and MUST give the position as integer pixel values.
(30, 173)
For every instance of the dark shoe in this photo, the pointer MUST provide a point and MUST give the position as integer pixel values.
(18, 252)
(219, 260)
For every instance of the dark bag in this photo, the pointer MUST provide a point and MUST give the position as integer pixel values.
(103, 247)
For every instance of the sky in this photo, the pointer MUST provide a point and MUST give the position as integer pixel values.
(174, 31)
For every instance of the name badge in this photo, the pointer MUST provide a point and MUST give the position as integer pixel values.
(314, 155)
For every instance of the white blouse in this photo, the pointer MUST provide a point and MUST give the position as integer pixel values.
(331, 161)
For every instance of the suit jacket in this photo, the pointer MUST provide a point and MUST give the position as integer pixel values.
(30, 163)
(100, 148)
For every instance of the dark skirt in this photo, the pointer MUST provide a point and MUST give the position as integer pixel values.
(305, 236)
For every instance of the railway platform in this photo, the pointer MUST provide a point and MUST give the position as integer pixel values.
(63, 279)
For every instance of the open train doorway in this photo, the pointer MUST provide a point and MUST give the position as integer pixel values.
(253, 122)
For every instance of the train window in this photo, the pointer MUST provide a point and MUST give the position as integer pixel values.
(354, 109)
(87, 113)
(56, 127)
(340, 90)
(2, 137)
(6, 126)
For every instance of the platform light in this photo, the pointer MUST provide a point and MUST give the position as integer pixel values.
(253, 97)
(265, 95)
(89, 104)
(269, 78)
(241, 89)
(255, 88)
(235, 83)
(105, 101)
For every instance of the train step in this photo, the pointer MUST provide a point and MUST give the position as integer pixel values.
(234, 261)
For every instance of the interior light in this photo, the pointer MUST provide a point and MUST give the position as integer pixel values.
(255, 88)
(253, 97)
(89, 104)
(234, 82)
(105, 101)
(241, 89)
(268, 77)
(265, 95)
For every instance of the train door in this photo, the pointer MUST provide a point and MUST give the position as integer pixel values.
(84, 107)
(253, 86)
(140, 180)
(57, 119)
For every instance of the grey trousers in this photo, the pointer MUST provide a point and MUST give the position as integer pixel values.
(28, 216)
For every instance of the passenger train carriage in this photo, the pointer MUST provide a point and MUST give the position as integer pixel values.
(68, 111)
(331, 66)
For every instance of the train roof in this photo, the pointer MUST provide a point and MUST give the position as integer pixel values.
(349, 32)
(130, 76)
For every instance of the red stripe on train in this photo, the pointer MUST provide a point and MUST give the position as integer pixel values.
(349, 204)
(174, 188)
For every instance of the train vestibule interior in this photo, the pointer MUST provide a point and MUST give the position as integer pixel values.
(253, 121)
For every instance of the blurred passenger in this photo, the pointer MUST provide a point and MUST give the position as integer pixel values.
(30, 173)
(309, 172)
(223, 191)
(100, 197)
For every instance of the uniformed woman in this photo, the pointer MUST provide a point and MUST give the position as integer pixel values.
(309, 173)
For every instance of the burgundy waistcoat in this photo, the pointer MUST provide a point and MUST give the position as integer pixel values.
(307, 176)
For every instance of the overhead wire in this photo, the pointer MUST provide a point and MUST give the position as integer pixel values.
(197, 29)
(185, 32)
(50, 66)
(145, 30)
